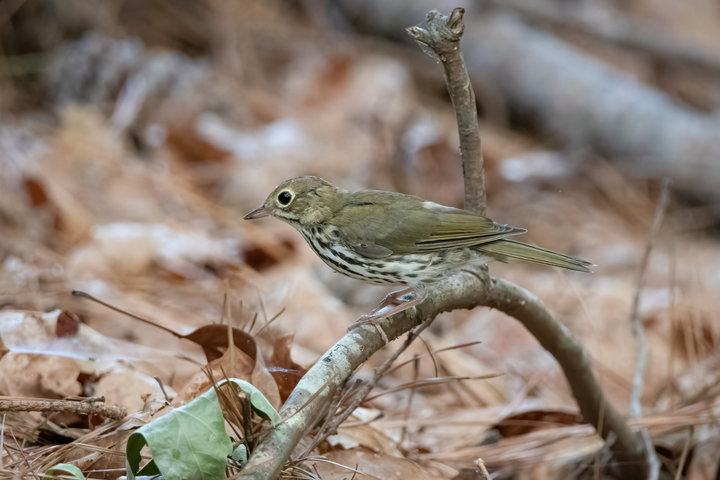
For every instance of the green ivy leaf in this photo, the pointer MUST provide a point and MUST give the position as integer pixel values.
(190, 441)
(240, 454)
(258, 401)
(65, 471)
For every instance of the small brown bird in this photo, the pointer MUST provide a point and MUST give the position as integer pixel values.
(390, 238)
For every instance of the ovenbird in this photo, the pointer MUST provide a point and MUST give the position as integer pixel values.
(391, 238)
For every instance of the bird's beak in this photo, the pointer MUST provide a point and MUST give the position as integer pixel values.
(257, 213)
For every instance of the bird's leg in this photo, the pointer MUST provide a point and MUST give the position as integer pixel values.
(394, 302)
(393, 298)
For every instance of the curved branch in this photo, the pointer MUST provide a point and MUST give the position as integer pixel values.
(627, 447)
(312, 394)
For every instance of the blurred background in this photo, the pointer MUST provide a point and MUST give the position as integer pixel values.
(135, 134)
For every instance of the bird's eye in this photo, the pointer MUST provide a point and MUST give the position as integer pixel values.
(284, 197)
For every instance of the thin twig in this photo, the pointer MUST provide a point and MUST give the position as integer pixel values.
(430, 382)
(408, 407)
(432, 354)
(441, 34)
(684, 454)
(81, 294)
(638, 330)
(482, 472)
(635, 322)
(17, 404)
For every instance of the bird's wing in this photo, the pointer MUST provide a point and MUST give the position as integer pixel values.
(379, 224)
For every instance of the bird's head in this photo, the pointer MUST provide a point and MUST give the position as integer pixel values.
(300, 201)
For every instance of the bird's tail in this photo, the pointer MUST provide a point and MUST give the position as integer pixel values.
(506, 250)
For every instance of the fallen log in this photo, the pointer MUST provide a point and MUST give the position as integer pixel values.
(583, 103)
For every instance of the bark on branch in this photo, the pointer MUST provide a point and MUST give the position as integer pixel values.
(441, 34)
(80, 407)
(310, 398)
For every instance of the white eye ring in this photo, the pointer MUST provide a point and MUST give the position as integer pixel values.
(284, 198)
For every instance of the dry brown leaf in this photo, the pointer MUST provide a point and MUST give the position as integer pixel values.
(129, 388)
(266, 383)
(366, 436)
(213, 339)
(281, 366)
(35, 191)
(234, 364)
(242, 362)
(533, 420)
(29, 375)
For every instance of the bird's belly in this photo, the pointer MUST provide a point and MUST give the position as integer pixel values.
(376, 271)
(424, 269)
(412, 269)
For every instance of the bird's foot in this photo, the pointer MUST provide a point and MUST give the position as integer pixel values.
(395, 298)
(393, 303)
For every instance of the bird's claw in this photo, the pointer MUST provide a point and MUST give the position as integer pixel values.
(392, 304)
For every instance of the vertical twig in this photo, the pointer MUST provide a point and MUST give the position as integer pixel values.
(684, 454)
(408, 407)
(636, 325)
(638, 330)
(482, 472)
(441, 34)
